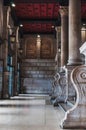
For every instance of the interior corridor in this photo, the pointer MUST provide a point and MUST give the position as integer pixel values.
(29, 113)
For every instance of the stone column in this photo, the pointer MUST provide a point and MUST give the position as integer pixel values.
(15, 89)
(57, 58)
(61, 85)
(5, 90)
(74, 32)
(21, 57)
(64, 35)
(74, 58)
(74, 42)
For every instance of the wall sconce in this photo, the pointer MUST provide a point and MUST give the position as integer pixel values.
(12, 38)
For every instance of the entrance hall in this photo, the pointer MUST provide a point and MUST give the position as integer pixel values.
(42, 64)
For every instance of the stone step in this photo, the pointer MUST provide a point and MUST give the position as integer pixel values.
(38, 63)
(40, 68)
(42, 76)
(39, 72)
(38, 60)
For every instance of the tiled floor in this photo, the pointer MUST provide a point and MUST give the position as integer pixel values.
(29, 113)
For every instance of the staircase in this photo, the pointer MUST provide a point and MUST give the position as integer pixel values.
(37, 75)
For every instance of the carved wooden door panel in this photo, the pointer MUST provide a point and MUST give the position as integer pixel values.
(31, 49)
(47, 47)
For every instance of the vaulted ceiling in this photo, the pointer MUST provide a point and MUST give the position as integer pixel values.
(39, 16)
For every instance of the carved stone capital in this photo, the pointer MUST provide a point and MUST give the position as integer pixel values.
(58, 29)
(63, 10)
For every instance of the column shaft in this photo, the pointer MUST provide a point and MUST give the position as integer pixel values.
(15, 89)
(74, 32)
(5, 90)
(57, 58)
(64, 35)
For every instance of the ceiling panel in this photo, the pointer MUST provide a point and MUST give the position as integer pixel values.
(40, 15)
(83, 10)
(38, 27)
(37, 10)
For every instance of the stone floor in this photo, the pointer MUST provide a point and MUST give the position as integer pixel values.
(29, 113)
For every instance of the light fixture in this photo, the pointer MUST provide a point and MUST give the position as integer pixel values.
(38, 35)
(13, 4)
(84, 24)
(21, 25)
(52, 26)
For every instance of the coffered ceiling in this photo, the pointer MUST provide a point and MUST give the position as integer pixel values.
(39, 16)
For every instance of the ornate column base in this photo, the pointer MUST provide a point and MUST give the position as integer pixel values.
(76, 117)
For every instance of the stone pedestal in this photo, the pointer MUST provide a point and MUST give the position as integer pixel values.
(76, 117)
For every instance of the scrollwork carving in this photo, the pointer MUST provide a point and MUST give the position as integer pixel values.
(83, 75)
(78, 78)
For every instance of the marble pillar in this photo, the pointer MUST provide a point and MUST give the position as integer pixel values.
(74, 58)
(5, 89)
(73, 116)
(64, 35)
(62, 81)
(58, 40)
(15, 89)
